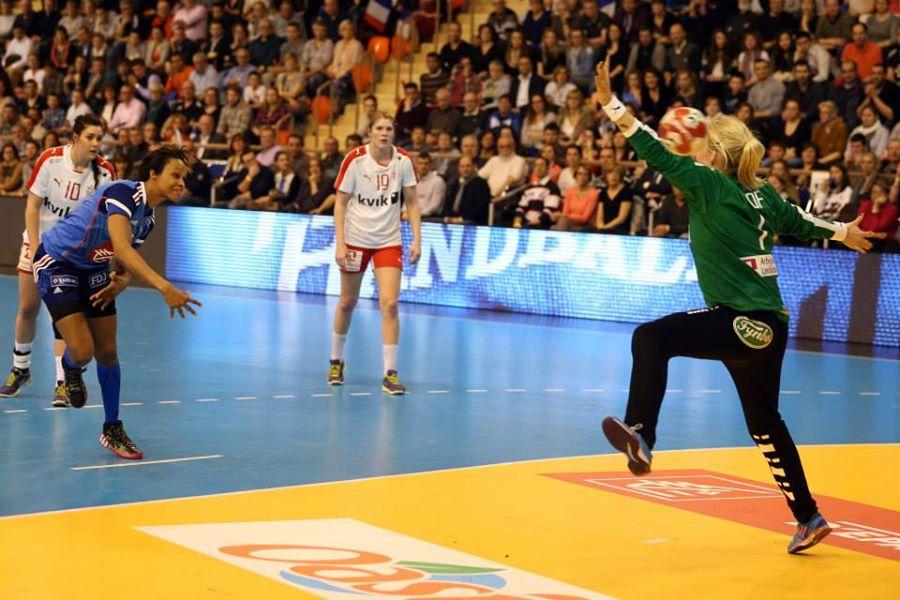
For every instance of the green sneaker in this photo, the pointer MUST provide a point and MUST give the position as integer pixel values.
(60, 396)
(336, 372)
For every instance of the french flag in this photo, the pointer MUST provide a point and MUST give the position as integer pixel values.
(377, 12)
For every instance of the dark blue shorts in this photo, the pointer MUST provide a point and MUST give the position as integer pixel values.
(67, 290)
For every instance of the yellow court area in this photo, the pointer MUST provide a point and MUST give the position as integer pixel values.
(548, 529)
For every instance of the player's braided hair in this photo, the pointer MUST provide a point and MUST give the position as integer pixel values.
(81, 123)
(156, 160)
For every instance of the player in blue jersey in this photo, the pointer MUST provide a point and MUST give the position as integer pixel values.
(88, 259)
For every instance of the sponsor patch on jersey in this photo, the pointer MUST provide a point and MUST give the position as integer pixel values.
(755, 334)
(63, 281)
(763, 264)
(98, 279)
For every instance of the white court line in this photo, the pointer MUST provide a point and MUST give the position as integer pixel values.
(673, 391)
(593, 390)
(829, 393)
(245, 397)
(146, 462)
(56, 408)
(625, 390)
(207, 400)
(283, 396)
(790, 392)
(15, 411)
(92, 406)
(515, 390)
(710, 391)
(553, 390)
(322, 395)
(361, 394)
(476, 391)
(397, 475)
(169, 402)
(870, 393)
(132, 404)
(438, 391)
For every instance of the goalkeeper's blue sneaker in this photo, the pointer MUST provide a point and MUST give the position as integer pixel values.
(809, 534)
(627, 440)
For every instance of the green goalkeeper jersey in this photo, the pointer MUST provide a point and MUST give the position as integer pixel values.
(731, 228)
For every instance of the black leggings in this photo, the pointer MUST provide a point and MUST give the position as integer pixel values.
(751, 345)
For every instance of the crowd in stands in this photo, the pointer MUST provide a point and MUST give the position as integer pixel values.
(506, 118)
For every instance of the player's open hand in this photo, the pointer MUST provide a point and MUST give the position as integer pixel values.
(602, 83)
(857, 239)
(414, 254)
(117, 284)
(180, 301)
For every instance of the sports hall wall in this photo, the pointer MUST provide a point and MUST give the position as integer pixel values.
(834, 295)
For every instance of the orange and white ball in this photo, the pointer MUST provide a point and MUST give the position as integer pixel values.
(683, 130)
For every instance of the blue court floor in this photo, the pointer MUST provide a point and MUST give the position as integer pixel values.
(236, 399)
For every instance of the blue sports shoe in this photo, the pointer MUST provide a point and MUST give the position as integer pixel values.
(809, 534)
(627, 440)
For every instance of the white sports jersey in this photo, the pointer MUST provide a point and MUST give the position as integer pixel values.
(61, 187)
(373, 213)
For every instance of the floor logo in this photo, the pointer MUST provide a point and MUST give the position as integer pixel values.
(344, 558)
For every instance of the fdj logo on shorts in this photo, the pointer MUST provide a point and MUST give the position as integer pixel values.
(98, 279)
(755, 334)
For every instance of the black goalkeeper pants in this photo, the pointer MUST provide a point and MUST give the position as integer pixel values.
(751, 345)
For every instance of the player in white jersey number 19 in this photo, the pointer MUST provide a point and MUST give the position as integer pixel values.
(62, 178)
(370, 185)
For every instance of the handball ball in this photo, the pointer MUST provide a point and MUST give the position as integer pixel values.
(682, 130)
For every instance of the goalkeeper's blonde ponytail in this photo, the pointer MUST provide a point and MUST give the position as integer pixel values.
(743, 153)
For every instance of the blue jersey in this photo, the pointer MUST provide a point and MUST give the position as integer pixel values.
(82, 238)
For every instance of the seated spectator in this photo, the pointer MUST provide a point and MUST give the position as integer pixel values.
(502, 20)
(463, 80)
(434, 79)
(348, 52)
(418, 141)
(411, 113)
(204, 76)
(431, 189)
(537, 117)
(683, 54)
(832, 194)
(614, 208)
(579, 207)
(331, 159)
(496, 84)
(206, 134)
(10, 171)
(236, 116)
(735, 93)
(318, 52)
(539, 205)
(671, 219)
(447, 153)
(862, 51)
(574, 157)
(290, 84)
(829, 134)
(473, 120)
(891, 163)
(456, 49)
(128, 113)
(503, 116)
(793, 130)
(254, 92)
(834, 28)
(580, 60)
(268, 146)
(316, 195)
(515, 48)
(504, 171)
(285, 186)
(468, 146)
(157, 50)
(814, 56)
(273, 113)
(783, 57)
(525, 85)
(487, 49)
(239, 74)
(880, 215)
(856, 147)
(468, 196)
(875, 133)
(802, 90)
(574, 117)
(687, 93)
(861, 184)
(881, 94)
(766, 93)
(188, 103)
(256, 182)
(847, 93)
(265, 49)
(443, 117)
(198, 182)
(551, 54)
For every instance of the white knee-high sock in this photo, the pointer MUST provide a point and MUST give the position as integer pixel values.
(60, 374)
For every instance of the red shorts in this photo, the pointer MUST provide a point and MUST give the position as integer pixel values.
(358, 258)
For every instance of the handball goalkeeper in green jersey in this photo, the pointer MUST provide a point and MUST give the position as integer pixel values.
(734, 217)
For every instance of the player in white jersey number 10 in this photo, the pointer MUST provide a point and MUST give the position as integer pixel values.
(62, 178)
(371, 184)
